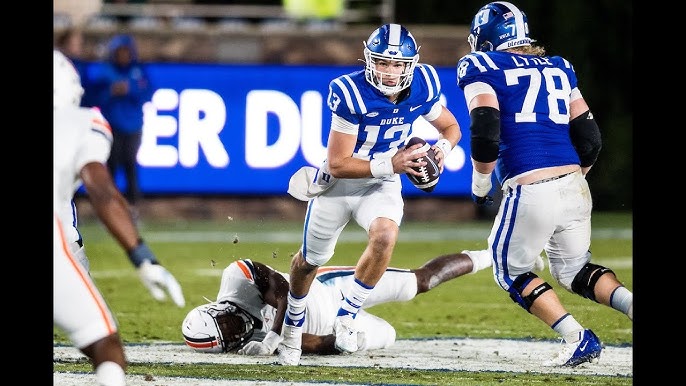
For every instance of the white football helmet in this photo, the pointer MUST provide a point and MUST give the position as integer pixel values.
(217, 327)
(66, 82)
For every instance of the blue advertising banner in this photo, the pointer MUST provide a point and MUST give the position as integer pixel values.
(245, 129)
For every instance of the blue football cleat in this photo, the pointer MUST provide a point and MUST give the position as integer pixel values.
(587, 349)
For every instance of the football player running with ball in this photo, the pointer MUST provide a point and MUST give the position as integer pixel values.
(531, 125)
(373, 110)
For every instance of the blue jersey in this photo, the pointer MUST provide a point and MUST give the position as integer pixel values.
(534, 94)
(383, 125)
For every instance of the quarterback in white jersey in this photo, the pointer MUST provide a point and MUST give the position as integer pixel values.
(81, 137)
(373, 111)
(249, 310)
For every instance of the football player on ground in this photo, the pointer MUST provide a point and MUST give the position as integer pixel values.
(531, 125)
(373, 110)
(251, 305)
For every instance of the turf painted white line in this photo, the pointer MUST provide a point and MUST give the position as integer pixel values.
(67, 379)
(461, 354)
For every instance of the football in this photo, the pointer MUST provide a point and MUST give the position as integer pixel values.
(430, 172)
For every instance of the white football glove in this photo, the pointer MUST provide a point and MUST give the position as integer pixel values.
(266, 347)
(157, 279)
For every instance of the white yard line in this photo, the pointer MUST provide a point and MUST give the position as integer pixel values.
(463, 354)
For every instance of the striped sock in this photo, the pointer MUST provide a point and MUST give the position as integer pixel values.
(295, 313)
(352, 303)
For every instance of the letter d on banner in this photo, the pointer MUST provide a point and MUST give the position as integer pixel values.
(259, 153)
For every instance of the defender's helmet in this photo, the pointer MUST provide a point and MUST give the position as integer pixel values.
(390, 42)
(217, 327)
(66, 82)
(498, 26)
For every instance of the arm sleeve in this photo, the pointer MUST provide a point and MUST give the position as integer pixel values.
(477, 88)
(341, 125)
(585, 136)
(435, 111)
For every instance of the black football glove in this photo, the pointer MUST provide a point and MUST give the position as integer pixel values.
(482, 201)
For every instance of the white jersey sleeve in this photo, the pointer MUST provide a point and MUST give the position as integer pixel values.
(238, 286)
(80, 136)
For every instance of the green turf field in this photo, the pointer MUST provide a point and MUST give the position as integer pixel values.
(470, 306)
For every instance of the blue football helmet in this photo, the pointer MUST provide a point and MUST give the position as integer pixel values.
(498, 26)
(391, 42)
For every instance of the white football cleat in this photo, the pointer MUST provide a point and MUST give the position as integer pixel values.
(290, 347)
(346, 335)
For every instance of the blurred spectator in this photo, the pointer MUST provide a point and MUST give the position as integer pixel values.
(70, 42)
(123, 89)
(315, 14)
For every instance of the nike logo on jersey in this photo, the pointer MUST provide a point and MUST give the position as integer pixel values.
(373, 114)
(583, 347)
(413, 108)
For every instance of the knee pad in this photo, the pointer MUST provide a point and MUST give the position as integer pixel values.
(585, 280)
(564, 270)
(518, 286)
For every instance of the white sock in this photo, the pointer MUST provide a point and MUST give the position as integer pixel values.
(570, 330)
(110, 374)
(357, 294)
(295, 313)
(623, 300)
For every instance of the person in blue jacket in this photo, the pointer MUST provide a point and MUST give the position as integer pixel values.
(124, 87)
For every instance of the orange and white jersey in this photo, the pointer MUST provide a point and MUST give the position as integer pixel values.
(78, 307)
(238, 286)
(80, 136)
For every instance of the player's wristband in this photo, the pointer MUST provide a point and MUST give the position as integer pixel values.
(445, 147)
(381, 167)
(481, 183)
(141, 253)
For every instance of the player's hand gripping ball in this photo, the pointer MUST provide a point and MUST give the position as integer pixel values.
(430, 172)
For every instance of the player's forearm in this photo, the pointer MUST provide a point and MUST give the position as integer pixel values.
(114, 214)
